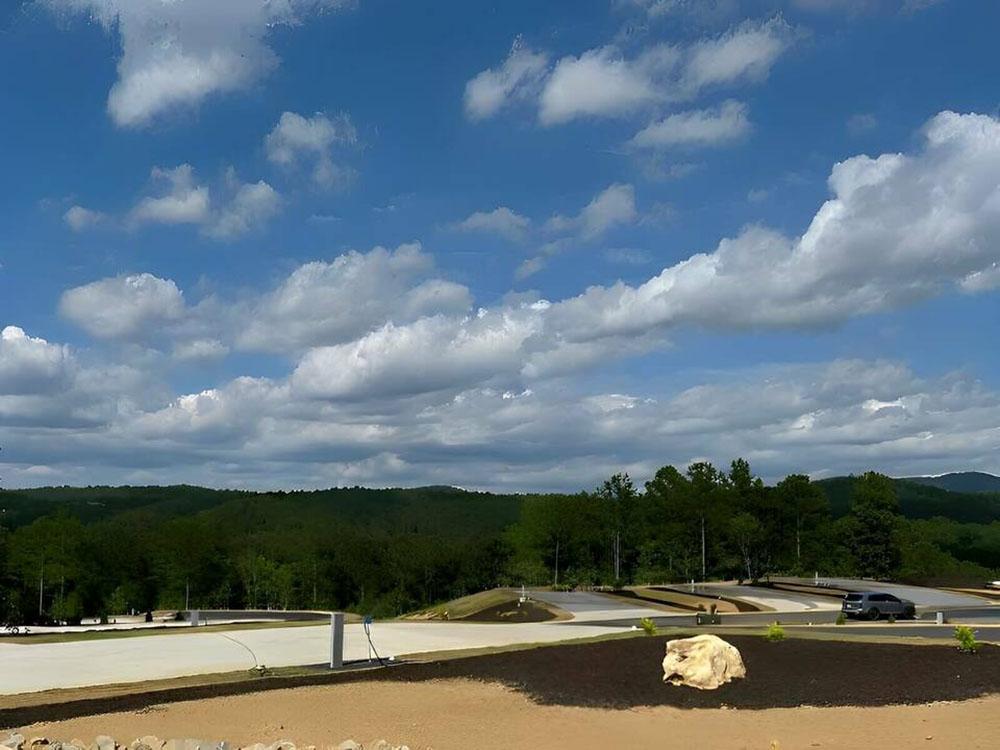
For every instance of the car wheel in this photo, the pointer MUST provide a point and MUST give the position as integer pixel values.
(873, 613)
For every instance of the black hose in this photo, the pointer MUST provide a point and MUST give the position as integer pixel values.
(368, 634)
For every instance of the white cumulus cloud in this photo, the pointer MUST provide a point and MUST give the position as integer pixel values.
(501, 220)
(177, 53)
(124, 306)
(181, 201)
(518, 77)
(80, 219)
(296, 138)
(701, 127)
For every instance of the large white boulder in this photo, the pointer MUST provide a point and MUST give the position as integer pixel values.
(704, 662)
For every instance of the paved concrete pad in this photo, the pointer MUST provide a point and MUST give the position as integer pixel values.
(780, 601)
(586, 606)
(34, 667)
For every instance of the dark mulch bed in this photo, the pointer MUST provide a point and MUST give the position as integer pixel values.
(511, 612)
(626, 673)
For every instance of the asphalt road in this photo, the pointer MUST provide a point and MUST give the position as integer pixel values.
(919, 595)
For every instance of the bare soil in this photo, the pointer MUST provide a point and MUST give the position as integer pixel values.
(461, 714)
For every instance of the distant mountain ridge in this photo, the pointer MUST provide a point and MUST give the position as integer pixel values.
(921, 500)
(960, 481)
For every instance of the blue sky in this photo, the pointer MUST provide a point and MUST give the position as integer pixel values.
(501, 245)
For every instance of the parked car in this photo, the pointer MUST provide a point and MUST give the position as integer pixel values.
(874, 604)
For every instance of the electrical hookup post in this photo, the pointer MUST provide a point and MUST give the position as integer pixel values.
(336, 640)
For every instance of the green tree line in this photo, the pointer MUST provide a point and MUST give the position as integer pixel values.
(68, 553)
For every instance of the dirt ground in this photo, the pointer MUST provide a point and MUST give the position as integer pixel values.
(800, 693)
(447, 714)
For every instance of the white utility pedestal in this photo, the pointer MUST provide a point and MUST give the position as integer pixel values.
(336, 640)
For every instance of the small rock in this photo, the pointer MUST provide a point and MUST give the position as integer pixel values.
(14, 742)
(350, 745)
(103, 742)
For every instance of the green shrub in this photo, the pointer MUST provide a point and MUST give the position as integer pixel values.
(966, 638)
(775, 632)
(841, 618)
(648, 626)
(892, 619)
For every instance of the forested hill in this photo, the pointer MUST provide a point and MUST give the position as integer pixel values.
(438, 509)
(427, 510)
(961, 481)
(921, 501)
(70, 552)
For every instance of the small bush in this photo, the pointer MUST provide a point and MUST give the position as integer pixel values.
(892, 619)
(841, 618)
(966, 638)
(648, 626)
(775, 632)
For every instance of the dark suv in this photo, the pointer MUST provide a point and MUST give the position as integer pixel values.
(873, 605)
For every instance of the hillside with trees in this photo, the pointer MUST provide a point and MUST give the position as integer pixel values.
(70, 552)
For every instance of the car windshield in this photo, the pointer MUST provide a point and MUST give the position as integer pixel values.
(852, 598)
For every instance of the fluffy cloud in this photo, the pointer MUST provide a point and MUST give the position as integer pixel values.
(897, 229)
(415, 389)
(182, 200)
(613, 206)
(31, 365)
(296, 138)
(123, 307)
(330, 303)
(80, 219)
(177, 54)
(702, 127)
(605, 82)
(500, 220)
(601, 82)
(319, 303)
(744, 53)
(393, 360)
(252, 205)
(517, 78)
(825, 418)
